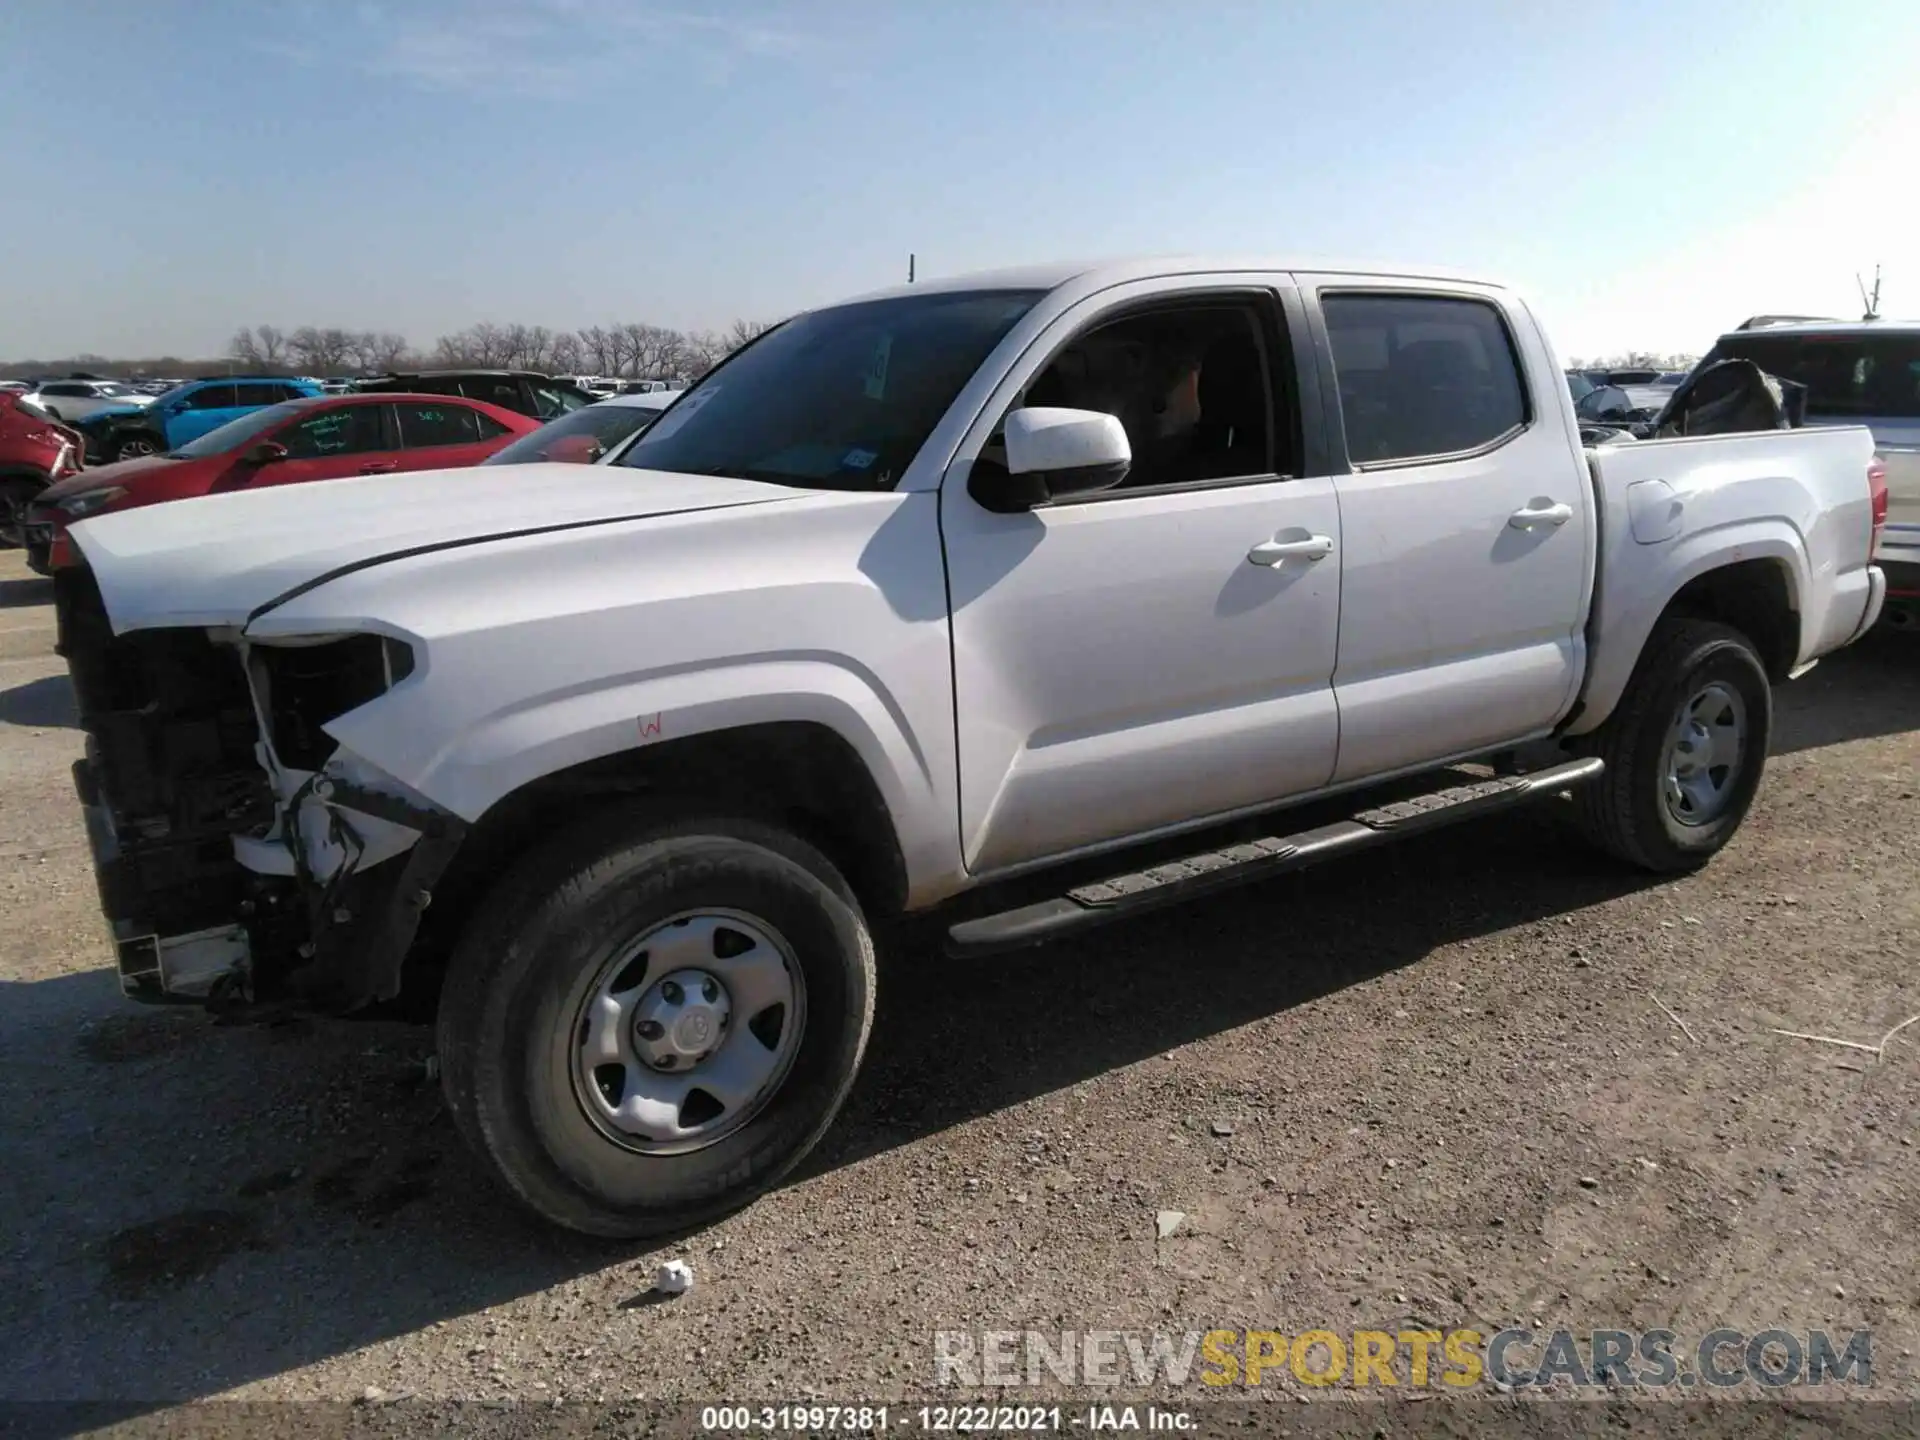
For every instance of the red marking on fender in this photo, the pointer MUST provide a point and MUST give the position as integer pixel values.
(649, 726)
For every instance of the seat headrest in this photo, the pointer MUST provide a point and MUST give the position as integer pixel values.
(1232, 384)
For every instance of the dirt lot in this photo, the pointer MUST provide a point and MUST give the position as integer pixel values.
(1429, 1085)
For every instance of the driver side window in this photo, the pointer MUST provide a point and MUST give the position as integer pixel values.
(1191, 384)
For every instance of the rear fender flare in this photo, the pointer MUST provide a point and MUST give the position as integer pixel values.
(1625, 613)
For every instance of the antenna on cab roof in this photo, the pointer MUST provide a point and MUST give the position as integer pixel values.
(1871, 301)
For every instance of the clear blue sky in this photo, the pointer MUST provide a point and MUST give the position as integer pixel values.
(1652, 172)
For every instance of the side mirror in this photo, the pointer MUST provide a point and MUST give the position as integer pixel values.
(1051, 453)
(264, 453)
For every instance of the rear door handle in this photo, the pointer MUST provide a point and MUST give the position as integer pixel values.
(379, 467)
(1529, 516)
(1278, 552)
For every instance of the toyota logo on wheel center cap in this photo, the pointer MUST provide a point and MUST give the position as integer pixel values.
(694, 1032)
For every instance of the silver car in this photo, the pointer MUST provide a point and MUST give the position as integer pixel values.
(71, 400)
(1862, 372)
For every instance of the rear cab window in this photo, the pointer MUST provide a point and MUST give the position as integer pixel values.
(1423, 376)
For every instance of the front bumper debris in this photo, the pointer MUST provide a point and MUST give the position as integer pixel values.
(225, 878)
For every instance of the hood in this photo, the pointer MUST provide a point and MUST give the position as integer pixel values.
(223, 559)
(119, 409)
(121, 472)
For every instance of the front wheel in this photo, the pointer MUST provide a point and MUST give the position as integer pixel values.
(1684, 750)
(650, 1022)
(15, 496)
(134, 446)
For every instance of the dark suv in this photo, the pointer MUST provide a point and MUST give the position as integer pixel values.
(527, 391)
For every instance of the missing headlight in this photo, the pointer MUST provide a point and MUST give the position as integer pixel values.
(307, 685)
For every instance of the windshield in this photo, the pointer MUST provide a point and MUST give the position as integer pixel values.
(1579, 385)
(580, 437)
(837, 399)
(237, 432)
(1845, 375)
(115, 389)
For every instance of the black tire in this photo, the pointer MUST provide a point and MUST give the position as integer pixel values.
(134, 444)
(509, 1015)
(15, 495)
(1625, 813)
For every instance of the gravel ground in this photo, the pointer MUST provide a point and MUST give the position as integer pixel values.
(1430, 1085)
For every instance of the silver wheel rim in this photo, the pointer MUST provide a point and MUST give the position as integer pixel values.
(133, 449)
(686, 1033)
(1705, 753)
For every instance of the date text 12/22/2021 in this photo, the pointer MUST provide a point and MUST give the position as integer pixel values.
(939, 1419)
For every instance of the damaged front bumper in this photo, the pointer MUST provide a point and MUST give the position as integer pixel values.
(244, 861)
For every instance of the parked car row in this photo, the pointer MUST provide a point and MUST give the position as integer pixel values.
(36, 451)
(290, 442)
(204, 441)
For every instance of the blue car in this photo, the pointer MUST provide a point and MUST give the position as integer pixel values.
(186, 412)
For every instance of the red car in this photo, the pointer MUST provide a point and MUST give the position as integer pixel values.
(323, 438)
(35, 451)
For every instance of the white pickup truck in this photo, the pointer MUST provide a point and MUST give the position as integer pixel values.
(1054, 570)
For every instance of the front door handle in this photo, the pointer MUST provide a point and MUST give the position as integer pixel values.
(379, 467)
(1528, 516)
(1278, 552)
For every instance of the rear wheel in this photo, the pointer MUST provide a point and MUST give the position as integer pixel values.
(652, 1021)
(1684, 750)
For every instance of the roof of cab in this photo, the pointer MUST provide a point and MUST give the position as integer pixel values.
(1099, 274)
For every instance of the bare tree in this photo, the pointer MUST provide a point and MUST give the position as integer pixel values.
(567, 353)
(263, 347)
(382, 351)
(604, 348)
(526, 347)
(632, 348)
(700, 351)
(304, 347)
(741, 331)
(653, 351)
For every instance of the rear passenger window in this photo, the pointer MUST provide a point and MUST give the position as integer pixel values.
(260, 394)
(423, 425)
(495, 390)
(211, 397)
(1422, 375)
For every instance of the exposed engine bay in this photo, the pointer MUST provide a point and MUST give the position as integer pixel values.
(244, 860)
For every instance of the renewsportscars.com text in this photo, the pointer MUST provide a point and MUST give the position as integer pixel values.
(1456, 1359)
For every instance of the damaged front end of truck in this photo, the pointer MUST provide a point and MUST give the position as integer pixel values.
(245, 861)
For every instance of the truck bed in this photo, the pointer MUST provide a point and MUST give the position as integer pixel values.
(1669, 509)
